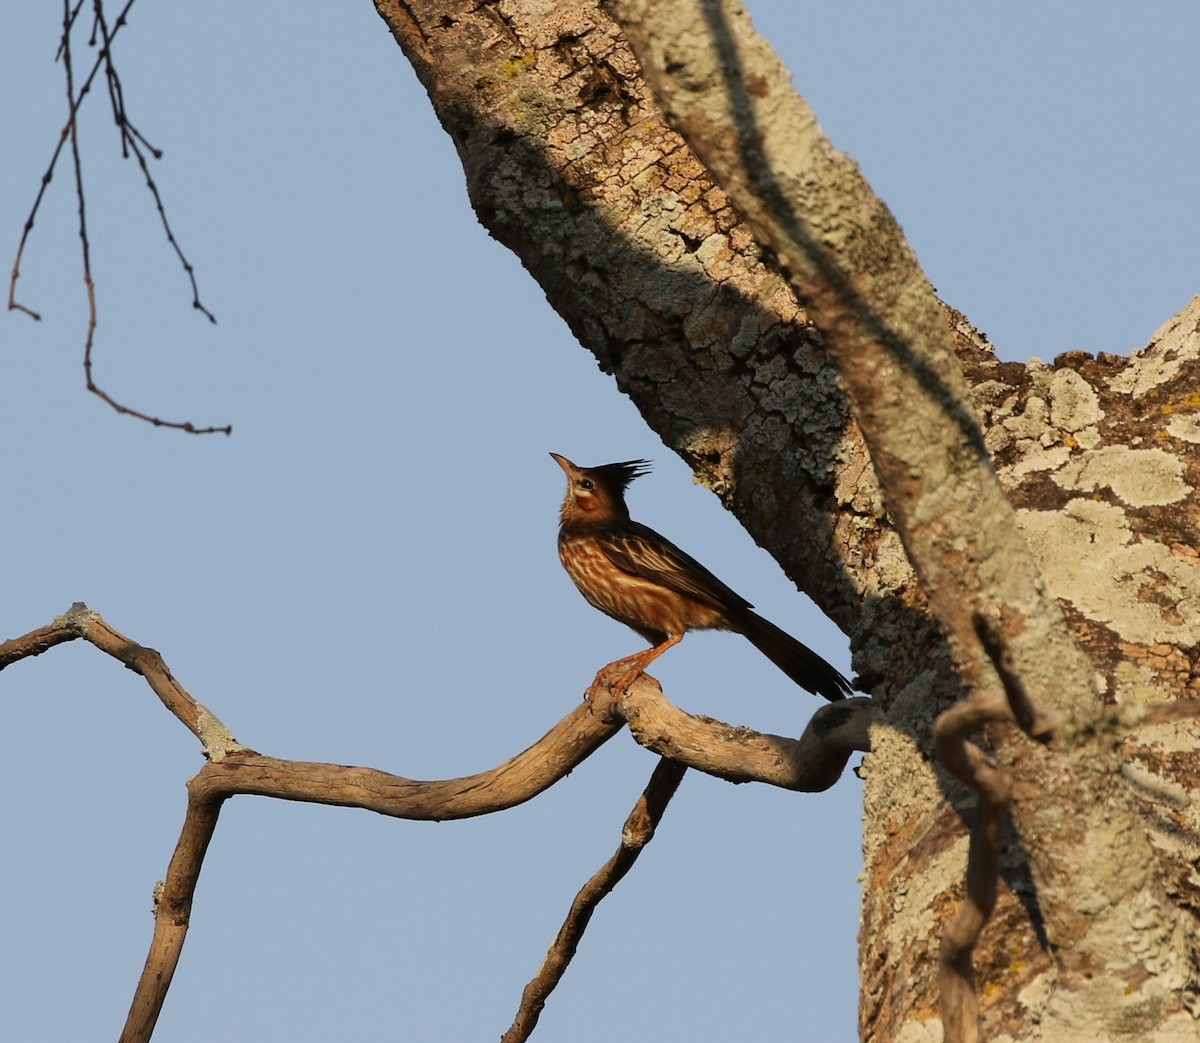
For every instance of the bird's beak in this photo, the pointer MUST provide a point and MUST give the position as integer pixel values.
(564, 463)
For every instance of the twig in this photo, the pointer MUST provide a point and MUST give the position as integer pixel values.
(637, 833)
(131, 140)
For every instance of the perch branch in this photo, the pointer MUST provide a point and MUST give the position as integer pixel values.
(637, 833)
(810, 763)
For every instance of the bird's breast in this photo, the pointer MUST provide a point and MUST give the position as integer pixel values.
(636, 601)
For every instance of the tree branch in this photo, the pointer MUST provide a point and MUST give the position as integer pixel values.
(172, 917)
(637, 833)
(727, 93)
(810, 763)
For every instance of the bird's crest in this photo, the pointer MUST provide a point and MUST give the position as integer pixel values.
(618, 476)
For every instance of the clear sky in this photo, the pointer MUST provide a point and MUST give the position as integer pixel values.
(365, 571)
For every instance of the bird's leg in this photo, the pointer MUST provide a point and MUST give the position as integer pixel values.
(623, 672)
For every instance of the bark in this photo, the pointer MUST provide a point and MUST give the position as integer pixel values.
(570, 162)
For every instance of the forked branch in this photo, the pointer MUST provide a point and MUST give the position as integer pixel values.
(739, 754)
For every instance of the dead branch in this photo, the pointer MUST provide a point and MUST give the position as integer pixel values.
(810, 764)
(172, 916)
(637, 833)
(737, 754)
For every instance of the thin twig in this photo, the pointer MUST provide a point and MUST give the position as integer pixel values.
(132, 140)
(637, 833)
(63, 135)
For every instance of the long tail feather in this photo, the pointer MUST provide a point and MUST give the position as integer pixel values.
(795, 659)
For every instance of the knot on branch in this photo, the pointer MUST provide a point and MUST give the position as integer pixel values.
(77, 619)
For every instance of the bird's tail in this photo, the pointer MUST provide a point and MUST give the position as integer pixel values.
(795, 659)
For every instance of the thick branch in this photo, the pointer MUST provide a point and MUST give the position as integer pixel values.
(569, 164)
(811, 763)
(808, 764)
(726, 91)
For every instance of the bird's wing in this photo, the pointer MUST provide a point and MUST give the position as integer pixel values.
(640, 551)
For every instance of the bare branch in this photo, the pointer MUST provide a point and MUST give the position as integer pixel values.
(172, 916)
(233, 769)
(41, 640)
(74, 101)
(637, 833)
(133, 141)
(214, 736)
(810, 764)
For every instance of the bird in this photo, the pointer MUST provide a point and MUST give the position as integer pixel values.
(639, 578)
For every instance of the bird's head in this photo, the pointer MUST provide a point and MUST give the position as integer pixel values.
(598, 493)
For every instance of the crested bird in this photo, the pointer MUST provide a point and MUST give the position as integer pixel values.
(639, 578)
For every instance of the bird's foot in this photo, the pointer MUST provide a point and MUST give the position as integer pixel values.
(618, 677)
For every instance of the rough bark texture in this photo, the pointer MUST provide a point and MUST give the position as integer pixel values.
(845, 257)
(570, 163)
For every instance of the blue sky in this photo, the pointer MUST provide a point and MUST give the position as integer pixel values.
(365, 571)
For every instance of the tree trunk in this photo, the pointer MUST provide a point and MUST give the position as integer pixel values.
(570, 162)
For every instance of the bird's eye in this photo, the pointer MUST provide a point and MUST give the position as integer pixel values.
(587, 483)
